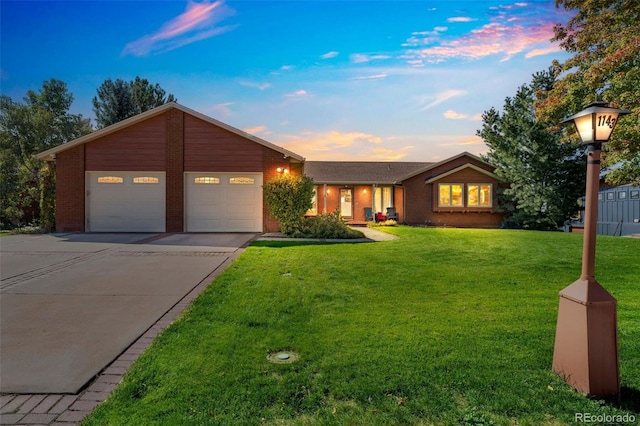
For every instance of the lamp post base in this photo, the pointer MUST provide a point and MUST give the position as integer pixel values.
(586, 346)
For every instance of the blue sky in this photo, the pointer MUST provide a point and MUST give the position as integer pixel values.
(329, 80)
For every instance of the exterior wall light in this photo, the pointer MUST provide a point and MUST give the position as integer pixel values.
(282, 170)
(586, 344)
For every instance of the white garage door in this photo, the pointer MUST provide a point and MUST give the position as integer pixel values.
(223, 202)
(126, 202)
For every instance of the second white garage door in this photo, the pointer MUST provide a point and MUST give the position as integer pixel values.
(223, 202)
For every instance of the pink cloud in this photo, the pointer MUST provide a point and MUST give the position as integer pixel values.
(453, 115)
(543, 51)
(195, 23)
(460, 19)
(492, 39)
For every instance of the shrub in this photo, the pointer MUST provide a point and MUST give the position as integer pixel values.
(288, 199)
(327, 226)
(388, 222)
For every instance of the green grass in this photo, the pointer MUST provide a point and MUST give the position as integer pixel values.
(442, 326)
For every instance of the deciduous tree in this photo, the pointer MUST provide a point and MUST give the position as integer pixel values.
(604, 38)
(546, 177)
(40, 122)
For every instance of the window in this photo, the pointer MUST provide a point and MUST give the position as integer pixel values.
(450, 195)
(145, 179)
(382, 198)
(206, 180)
(241, 181)
(611, 196)
(635, 194)
(600, 196)
(622, 195)
(478, 195)
(110, 179)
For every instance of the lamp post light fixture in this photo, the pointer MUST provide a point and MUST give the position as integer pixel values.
(586, 344)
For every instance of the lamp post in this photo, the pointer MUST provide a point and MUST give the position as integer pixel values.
(586, 344)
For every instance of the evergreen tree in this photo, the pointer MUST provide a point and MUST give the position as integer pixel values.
(119, 100)
(546, 177)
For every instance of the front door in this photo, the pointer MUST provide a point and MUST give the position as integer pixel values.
(345, 203)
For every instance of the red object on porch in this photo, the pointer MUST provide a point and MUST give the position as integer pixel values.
(380, 217)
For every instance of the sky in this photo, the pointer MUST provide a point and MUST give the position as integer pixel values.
(327, 79)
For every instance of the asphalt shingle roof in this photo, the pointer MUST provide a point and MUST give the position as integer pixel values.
(363, 172)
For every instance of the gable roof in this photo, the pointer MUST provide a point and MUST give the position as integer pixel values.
(50, 153)
(457, 169)
(360, 172)
(445, 161)
(372, 172)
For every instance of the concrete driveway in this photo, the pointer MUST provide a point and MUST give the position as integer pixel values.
(70, 304)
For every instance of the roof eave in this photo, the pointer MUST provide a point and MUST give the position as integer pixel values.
(342, 182)
(49, 155)
(462, 167)
(445, 161)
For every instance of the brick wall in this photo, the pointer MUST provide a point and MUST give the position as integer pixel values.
(398, 202)
(165, 140)
(70, 190)
(139, 147)
(421, 206)
(361, 199)
(175, 170)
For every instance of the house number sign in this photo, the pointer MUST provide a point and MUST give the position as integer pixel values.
(607, 120)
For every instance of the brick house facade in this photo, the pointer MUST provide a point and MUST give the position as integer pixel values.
(101, 180)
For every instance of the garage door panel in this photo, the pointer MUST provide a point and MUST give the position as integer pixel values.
(126, 202)
(242, 225)
(145, 211)
(208, 210)
(241, 196)
(222, 206)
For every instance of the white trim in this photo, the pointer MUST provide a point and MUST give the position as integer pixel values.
(49, 154)
(457, 169)
(445, 161)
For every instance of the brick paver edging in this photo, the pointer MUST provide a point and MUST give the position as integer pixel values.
(64, 409)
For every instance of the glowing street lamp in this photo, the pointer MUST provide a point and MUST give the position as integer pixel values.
(586, 344)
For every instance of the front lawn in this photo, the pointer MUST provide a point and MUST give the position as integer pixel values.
(442, 326)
